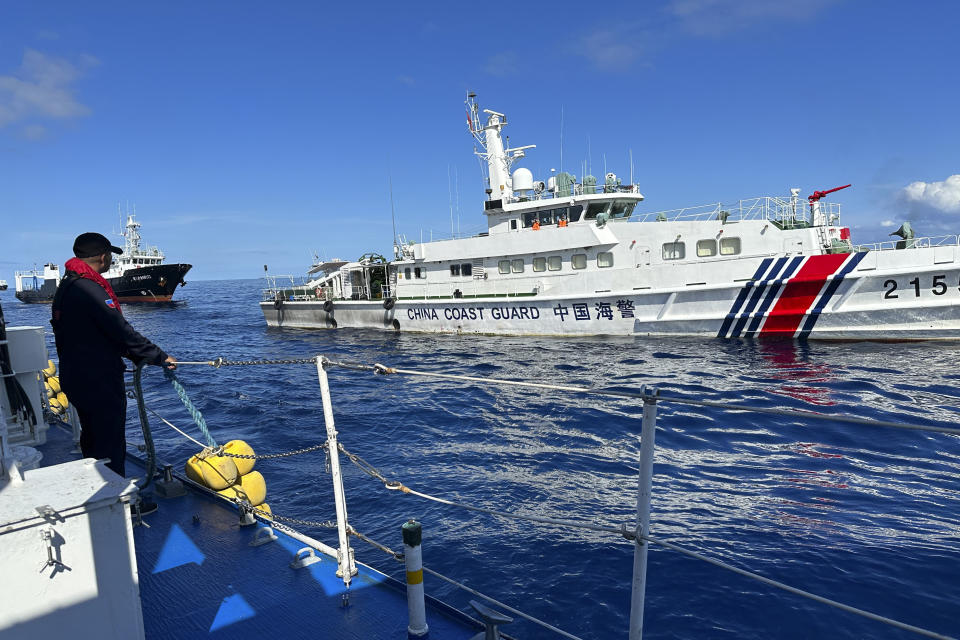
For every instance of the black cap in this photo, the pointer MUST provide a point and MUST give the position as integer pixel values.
(92, 244)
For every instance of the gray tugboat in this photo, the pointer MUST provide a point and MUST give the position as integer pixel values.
(37, 285)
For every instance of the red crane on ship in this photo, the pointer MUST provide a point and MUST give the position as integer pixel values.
(820, 194)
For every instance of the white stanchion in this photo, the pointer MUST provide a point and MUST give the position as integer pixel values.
(344, 553)
(413, 558)
(644, 484)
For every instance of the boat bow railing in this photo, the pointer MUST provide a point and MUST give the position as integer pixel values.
(638, 533)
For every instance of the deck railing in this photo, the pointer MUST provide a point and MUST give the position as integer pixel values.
(785, 211)
(924, 242)
(637, 532)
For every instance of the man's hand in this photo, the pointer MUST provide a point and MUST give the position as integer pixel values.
(170, 363)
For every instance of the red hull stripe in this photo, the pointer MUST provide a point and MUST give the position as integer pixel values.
(799, 294)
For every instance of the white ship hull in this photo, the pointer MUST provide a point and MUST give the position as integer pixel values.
(915, 294)
(564, 257)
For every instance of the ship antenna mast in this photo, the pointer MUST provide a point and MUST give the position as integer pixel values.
(393, 219)
(488, 137)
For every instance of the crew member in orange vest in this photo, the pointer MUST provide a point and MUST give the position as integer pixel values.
(536, 224)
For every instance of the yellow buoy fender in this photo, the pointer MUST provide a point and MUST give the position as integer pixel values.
(251, 488)
(214, 472)
(50, 392)
(239, 447)
(264, 510)
(51, 369)
(62, 399)
(54, 383)
(55, 403)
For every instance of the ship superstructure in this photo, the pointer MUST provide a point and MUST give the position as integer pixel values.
(139, 274)
(571, 256)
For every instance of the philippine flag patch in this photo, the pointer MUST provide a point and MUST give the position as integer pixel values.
(110, 303)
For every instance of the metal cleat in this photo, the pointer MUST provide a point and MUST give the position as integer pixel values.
(491, 621)
(246, 516)
(305, 557)
(169, 487)
(263, 536)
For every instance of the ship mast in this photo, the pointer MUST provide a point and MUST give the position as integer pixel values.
(490, 141)
(132, 236)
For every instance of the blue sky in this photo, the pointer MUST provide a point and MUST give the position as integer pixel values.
(257, 133)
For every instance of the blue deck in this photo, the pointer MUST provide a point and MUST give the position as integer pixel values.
(199, 577)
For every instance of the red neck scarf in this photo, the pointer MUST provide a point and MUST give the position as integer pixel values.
(84, 270)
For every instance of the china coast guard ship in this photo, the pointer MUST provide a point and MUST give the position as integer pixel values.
(564, 257)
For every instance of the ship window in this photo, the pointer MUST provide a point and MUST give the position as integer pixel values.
(729, 246)
(573, 213)
(420, 272)
(622, 208)
(595, 208)
(513, 225)
(504, 266)
(554, 263)
(517, 265)
(605, 259)
(674, 251)
(406, 273)
(579, 261)
(539, 264)
(706, 248)
(455, 270)
(466, 269)
(528, 219)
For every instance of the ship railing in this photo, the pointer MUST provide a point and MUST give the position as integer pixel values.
(573, 190)
(784, 211)
(637, 532)
(924, 242)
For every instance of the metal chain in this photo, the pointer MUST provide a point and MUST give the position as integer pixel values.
(270, 456)
(328, 524)
(220, 362)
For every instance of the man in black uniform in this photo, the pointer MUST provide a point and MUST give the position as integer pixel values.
(92, 338)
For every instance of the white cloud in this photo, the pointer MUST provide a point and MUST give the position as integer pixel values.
(942, 196)
(42, 88)
(720, 17)
(888, 223)
(611, 48)
(502, 64)
(618, 45)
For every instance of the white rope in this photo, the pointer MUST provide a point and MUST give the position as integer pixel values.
(515, 516)
(799, 592)
(629, 534)
(796, 413)
(502, 605)
(174, 427)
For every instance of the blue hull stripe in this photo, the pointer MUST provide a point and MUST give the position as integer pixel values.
(831, 289)
(741, 297)
(759, 288)
(772, 295)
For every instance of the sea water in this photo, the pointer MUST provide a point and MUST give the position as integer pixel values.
(864, 515)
